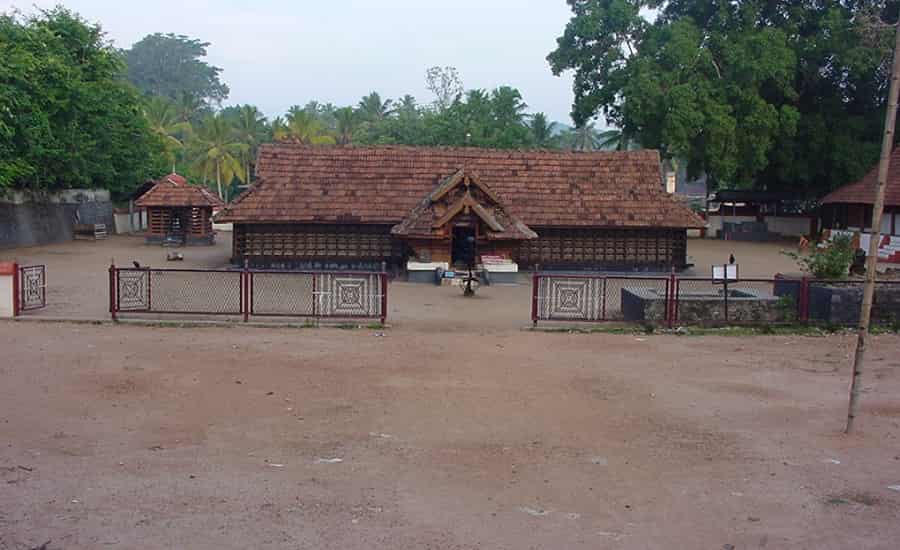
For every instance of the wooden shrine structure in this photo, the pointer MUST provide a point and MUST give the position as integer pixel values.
(179, 213)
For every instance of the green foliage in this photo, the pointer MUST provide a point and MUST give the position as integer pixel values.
(171, 66)
(541, 131)
(303, 127)
(216, 149)
(347, 124)
(782, 92)
(66, 118)
(830, 262)
(786, 306)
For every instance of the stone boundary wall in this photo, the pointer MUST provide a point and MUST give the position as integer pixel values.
(29, 219)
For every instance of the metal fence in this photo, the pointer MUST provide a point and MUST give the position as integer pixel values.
(245, 293)
(30, 288)
(671, 300)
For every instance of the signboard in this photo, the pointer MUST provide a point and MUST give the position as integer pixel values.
(727, 272)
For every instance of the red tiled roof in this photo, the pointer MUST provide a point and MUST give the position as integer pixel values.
(174, 190)
(863, 191)
(380, 185)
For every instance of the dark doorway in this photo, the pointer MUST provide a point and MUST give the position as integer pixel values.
(463, 251)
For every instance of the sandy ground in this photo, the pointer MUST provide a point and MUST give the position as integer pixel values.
(150, 438)
(78, 287)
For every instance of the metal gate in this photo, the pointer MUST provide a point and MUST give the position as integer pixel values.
(32, 285)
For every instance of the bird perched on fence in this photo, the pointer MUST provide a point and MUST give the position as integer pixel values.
(731, 259)
(137, 264)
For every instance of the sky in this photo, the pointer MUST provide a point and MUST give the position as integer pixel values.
(278, 53)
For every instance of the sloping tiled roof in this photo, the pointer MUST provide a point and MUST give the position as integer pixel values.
(174, 190)
(380, 185)
(863, 191)
(463, 192)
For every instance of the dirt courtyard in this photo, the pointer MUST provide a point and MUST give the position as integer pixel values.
(150, 438)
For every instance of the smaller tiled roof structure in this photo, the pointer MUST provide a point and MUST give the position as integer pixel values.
(863, 191)
(173, 190)
(381, 185)
(462, 192)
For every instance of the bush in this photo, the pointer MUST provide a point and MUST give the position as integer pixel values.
(831, 262)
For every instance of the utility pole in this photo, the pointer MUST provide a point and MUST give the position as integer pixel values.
(865, 315)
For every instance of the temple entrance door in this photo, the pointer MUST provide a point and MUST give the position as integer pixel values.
(463, 248)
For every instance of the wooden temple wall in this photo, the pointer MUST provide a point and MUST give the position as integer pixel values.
(626, 248)
(608, 248)
(158, 220)
(312, 242)
(430, 250)
(199, 220)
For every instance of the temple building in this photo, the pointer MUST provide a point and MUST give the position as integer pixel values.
(409, 207)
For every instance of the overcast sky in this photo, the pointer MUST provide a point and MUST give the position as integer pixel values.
(277, 53)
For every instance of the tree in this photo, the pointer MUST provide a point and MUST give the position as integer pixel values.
(781, 94)
(190, 108)
(66, 117)
(582, 138)
(347, 124)
(171, 65)
(541, 130)
(251, 129)
(481, 119)
(305, 128)
(616, 140)
(372, 109)
(445, 84)
(161, 115)
(217, 150)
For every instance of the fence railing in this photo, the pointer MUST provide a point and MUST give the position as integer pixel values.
(672, 300)
(30, 288)
(245, 293)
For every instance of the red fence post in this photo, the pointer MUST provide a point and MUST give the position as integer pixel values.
(804, 299)
(671, 297)
(112, 290)
(384, 296)
(315, 298)
(17, 293)
(245, 291)
(603, 302)
(535, 280)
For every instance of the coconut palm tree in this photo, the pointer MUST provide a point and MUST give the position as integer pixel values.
(217, 149)
(347, 123)
(189, 107)
(250, 127)
(305, 128)
(373, 109)
(408, 106)
(162, 116)
(278, 127)
(615, 140)
(541, 130)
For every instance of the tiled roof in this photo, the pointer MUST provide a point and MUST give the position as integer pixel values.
(174, 190)
(380, 185)
(863, 191)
